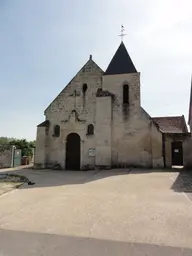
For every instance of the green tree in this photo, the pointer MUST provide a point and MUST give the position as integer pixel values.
(25, 146)
(5, 140)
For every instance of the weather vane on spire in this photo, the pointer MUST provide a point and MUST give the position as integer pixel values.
(122, 33)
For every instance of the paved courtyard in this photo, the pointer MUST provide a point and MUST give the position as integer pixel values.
(114, 212)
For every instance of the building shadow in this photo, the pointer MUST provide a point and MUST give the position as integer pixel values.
(23, 243)
(153, 170)
(183, 182)
(50, 178)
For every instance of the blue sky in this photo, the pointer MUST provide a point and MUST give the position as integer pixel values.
(43, 43)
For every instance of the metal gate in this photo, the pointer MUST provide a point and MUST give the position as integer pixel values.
(177, 153)
(17, 157)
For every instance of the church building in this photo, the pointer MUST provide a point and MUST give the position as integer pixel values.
(97, 121)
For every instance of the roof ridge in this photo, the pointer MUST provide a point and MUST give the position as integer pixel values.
(166, 116)
(171, 124)
(89, 60)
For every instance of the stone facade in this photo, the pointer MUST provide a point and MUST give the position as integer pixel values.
(169, 139)
(6, 156)
(124, 134)
(50, 150)
(187, 146)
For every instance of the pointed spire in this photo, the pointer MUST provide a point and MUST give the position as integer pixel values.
(190, 105)
(121, 62)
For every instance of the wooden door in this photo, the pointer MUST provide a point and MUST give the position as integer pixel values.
(73, 149)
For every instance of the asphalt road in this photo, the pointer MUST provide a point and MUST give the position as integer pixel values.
(19, 243)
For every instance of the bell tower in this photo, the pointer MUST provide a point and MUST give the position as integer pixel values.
(122, 79)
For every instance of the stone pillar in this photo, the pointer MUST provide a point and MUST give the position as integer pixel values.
(103, 132)
(187, 153)
(40, 148)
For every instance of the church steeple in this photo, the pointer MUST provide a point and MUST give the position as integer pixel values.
(121, 62)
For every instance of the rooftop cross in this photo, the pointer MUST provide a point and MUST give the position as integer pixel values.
(122, 33)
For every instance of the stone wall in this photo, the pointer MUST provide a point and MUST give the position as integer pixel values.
(103, 131)
(40, 150)
(168, 152)
(187, 152)
(184, 138)
(6, 156)
(187, 148)
(157, 147)
(125, 135)
(134, 138)
(61, 112)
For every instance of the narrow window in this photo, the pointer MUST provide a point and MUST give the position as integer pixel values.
(84, 89)
(46, 130)
(56, 131)
(125, 94)
(90, 129)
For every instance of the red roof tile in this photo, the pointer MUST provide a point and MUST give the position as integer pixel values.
(171, 124)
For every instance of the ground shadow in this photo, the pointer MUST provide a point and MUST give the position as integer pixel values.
(49, 178)
(153, 170)
(183, 182)
(22, 243)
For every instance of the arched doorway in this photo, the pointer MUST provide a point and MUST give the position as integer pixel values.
(73, 149)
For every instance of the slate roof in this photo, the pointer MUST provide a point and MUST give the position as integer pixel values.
(171, 124)
(121, 62)
(44, 124)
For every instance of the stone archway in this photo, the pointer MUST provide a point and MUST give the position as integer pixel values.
(73, 152)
